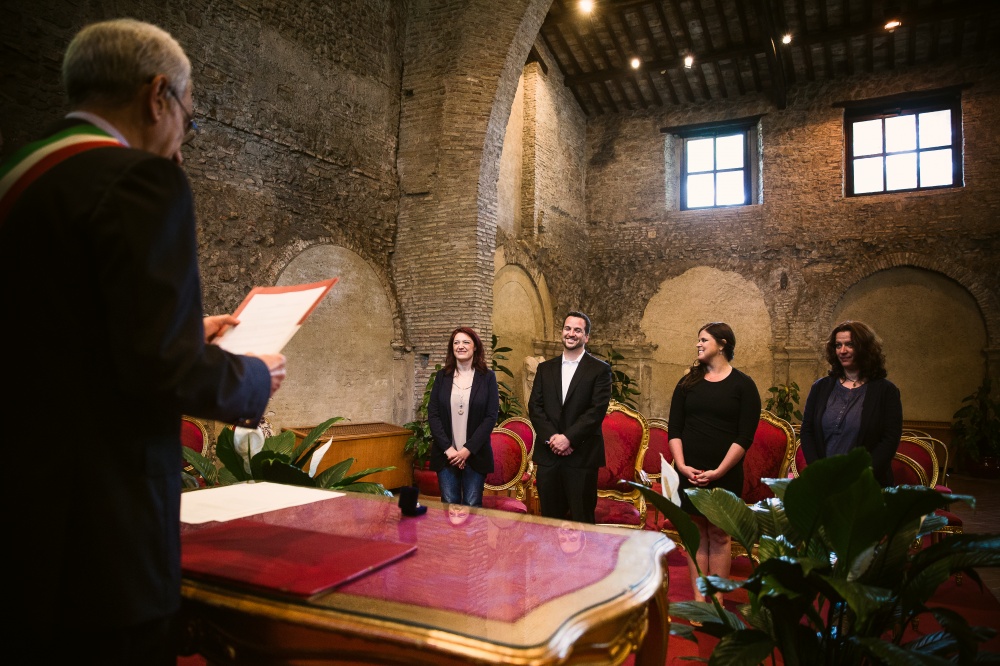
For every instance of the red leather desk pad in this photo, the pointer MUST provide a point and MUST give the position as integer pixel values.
(286, 559)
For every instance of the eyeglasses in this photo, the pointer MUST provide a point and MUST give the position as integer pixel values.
(192, 129)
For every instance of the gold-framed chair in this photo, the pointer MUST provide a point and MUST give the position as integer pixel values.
(626, 440)
(521, 425)
(504, 487)
(659, 438)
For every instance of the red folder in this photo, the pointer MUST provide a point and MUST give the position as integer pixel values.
(285, 559)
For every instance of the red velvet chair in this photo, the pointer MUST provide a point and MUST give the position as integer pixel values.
(626, 439)
(770, 456)
(194, 436)
(658, 445)
(521, 426)
(916, 463)
(504, 488)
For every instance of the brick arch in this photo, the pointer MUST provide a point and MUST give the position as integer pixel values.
(988, 306)
(455, 107)
(298, 246)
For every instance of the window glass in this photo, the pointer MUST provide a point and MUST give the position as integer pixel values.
(700, 155)
(935, 129)
(901, 171)
(701, 190)
(936, 168)
(900, 133)
(868, 175)
(868, 137)
(729, 151)
(731, 188)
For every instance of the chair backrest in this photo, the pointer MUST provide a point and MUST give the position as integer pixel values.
(510, 460)
(521, 426)
(658, 445)
(626, 440)
(908, 472)
(769, 457)
(921, 453)
(193, 434)
(798, 461)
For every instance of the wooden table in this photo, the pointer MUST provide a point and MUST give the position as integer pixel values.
(483, 587)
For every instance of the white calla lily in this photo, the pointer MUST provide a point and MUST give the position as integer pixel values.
(248, 442)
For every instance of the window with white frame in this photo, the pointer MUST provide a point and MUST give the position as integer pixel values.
(900, 145)
(717, 163)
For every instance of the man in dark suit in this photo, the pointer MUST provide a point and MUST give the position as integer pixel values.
(106, 349)
(569, 399)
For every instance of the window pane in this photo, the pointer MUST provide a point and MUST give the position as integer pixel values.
(699, 155)
(701, 190)
(730, 184)
(730, 152)
(900, 134)
(935, 129)
(936, 168)
(868, 137)
(901, 171)
(868, 175)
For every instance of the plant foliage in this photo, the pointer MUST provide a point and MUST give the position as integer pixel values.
(784, 402)
(839, 579)
(279, 461)
(623, 387)
(510, 404)
(977, 423)
(419, 444)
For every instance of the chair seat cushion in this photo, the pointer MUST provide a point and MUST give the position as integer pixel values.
(504, 503)
(616, 512)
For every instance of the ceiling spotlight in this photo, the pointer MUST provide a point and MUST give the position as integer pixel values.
(586, 6)
(892, 24)
(688, 61)
(635, 62)
(786, 38)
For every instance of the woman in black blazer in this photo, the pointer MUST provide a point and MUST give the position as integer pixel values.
(854, 405)
(462, 412)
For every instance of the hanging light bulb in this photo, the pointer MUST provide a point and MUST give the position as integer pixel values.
(688, 61)
(635, 62)
(586, 6)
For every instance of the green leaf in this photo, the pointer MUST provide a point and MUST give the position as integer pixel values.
(746, 647)
(806, 496)
(276, 471)
(335, 474)
(889, 653)
(863, 600)
(301, 454)
(681, 521)
(848, 536)
(728, 512)
(263, 458)
(225, 450)
(205, 467)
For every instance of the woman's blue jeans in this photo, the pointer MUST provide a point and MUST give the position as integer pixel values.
(461, 486)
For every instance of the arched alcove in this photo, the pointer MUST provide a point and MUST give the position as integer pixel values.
(920, 315)
(341, 362)
(520, 311)
(682, 305)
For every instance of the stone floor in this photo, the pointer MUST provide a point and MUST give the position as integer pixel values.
(983, 519)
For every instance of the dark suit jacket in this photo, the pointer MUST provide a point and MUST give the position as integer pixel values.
(105, 343)
(881, 424)
(579, 417)
(483, 408)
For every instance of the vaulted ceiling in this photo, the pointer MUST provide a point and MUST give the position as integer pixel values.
(737, 48)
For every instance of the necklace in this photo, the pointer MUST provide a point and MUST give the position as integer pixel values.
(855, 383)
(461, 396)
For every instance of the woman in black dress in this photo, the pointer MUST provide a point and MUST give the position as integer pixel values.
(713, 418)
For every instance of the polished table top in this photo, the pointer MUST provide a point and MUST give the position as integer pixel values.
(480, 582)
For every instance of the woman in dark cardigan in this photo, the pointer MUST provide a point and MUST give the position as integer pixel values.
(854, 405)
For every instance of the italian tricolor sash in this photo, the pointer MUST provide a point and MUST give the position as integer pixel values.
(27, 164)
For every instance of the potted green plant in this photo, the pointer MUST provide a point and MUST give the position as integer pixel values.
(976, 431)
(510, 405)
(784, 402)
(623, 387)
(832, 588)
(276, 459)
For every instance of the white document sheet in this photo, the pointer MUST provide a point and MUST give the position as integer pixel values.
(240, 500)
(270, 317)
